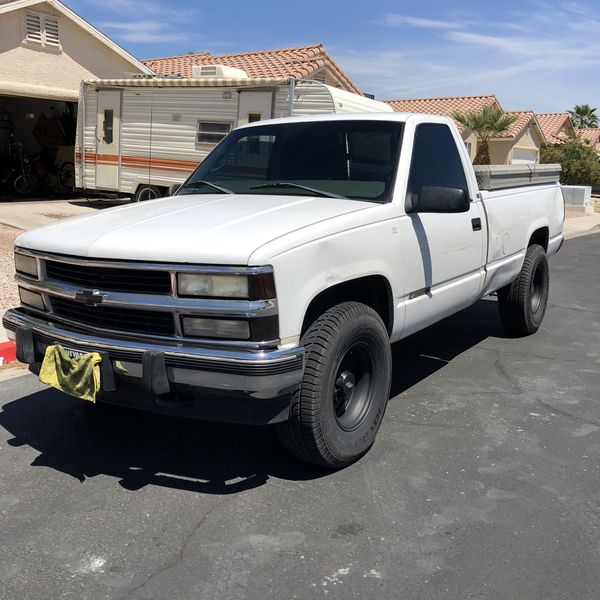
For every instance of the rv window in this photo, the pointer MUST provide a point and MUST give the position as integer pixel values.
(108, 126)
(211, 132)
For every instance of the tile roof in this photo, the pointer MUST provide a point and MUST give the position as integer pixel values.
(524, 118)
(590, 135)
(552, 123)
(299, 62)
(444, 106)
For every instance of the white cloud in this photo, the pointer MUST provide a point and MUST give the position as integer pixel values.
(148, 31)
(542, 57)
(161, 22)
(400, 20)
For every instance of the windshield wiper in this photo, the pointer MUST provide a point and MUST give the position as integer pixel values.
(288, 184)
(194, 184)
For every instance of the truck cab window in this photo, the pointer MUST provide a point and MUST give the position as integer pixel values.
(350, 159)
(435, 162)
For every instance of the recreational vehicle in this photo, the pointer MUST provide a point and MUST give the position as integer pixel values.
(139, 137)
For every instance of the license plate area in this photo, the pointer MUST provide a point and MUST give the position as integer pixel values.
(73, 353)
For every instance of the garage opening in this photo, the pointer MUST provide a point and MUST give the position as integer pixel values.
(37, 146)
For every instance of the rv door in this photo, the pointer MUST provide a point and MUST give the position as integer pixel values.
(107, 136)
(254, 106)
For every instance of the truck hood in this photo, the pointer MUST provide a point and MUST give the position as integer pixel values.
(195, 228)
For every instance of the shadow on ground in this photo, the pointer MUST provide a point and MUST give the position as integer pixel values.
(143, 449)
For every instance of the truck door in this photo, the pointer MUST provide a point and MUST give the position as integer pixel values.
(254, 106)
(444, 252)
(107, 135)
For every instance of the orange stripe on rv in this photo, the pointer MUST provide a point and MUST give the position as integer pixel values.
(140, 162)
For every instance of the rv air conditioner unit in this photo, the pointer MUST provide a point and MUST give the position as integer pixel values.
(220, 71)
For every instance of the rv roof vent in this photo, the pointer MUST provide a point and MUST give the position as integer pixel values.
(223, 71)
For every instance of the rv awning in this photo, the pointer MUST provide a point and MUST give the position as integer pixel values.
(182, 83)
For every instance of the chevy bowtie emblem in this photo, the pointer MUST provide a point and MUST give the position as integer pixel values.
(89, 297)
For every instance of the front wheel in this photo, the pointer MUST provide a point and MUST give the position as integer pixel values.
(25, 184)
(337, 409)
(522, 303)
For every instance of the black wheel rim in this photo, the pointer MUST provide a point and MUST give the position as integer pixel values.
(353, 386)
(537, 289)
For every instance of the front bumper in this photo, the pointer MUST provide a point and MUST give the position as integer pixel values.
(213, 383)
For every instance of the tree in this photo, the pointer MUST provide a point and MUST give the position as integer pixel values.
(579, 162)
(486, 124)
(584, 116)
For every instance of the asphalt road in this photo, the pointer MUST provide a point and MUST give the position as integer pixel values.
(484, 481)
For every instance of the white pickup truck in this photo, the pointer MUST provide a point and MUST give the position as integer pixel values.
(269, 288)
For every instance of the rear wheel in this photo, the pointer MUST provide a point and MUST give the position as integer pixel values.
(147, 192)
(522, 303)
(337, 409)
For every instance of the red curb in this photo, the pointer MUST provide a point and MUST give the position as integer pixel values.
(7, 352)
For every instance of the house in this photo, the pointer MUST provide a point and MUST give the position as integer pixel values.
(590, 136)
(557, 127)
(46, 50)
(520, 144)
(302, 62)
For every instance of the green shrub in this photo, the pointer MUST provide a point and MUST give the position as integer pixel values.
(578, 160)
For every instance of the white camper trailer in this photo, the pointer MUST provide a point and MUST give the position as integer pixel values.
(139, 137)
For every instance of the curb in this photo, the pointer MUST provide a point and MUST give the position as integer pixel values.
(7, 352)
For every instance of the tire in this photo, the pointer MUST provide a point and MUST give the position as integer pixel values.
(67, 175)
(147, 192)
(522, 303)
(25, 184)
(338, 407)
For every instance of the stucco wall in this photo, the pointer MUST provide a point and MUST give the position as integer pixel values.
(28, 69)
(500, 152)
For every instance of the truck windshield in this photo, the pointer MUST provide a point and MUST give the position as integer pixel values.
(341, 159)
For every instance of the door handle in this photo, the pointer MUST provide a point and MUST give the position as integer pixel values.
(476, 224)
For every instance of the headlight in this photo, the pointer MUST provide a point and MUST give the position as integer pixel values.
(212, 286)
(259, 285)
(216, 328)
(26, 265)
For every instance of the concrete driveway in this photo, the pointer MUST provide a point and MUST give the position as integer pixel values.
(484, 481)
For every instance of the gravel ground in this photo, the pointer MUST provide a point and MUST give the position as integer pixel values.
(8, 289)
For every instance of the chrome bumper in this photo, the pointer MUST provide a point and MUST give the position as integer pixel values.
(259, 374)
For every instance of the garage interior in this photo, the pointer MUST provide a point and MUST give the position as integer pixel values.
(37, 145)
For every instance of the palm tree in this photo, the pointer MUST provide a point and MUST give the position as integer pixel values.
(486, 124)
(584, 116)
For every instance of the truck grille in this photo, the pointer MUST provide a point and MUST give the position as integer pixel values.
(111, 279)
(151, 322)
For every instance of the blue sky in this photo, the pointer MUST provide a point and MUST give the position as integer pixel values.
(533, 54)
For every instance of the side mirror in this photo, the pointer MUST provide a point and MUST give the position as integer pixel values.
(437, 199)
(175, 188)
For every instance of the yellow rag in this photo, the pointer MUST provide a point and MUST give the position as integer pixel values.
(79, 376)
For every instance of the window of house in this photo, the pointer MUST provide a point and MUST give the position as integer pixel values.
(435, 162)
(42, 29)
(211, 132)
(253, 117)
